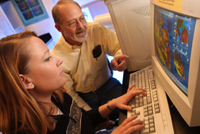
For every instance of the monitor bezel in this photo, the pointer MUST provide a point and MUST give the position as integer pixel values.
(168, 72)
(186, 105)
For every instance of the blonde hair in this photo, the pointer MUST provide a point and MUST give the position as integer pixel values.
(55, 13)
(19, 111)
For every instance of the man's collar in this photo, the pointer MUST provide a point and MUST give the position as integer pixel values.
(69, 45)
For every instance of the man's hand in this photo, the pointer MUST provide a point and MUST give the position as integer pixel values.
(119, 63)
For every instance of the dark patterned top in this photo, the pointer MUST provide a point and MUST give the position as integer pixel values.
(74, 119)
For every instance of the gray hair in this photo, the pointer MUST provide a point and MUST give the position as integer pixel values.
(55, 13)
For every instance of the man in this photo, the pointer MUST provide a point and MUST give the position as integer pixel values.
(83, 47)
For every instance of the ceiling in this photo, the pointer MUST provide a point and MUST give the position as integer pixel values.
(80, 2)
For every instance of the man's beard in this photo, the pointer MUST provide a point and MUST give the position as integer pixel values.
(82, 38)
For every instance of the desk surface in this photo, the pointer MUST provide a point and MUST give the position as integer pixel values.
(180, 126)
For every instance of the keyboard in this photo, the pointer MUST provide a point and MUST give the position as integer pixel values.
(153, 109)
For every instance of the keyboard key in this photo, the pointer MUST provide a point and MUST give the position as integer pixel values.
(150, 112)
(152, 130)
(151, 125)
(144, 131)
(157, 111)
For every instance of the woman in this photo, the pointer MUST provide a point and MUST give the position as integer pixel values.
(32, 98)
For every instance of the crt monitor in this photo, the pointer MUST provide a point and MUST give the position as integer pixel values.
(131, 20)
(175, 41)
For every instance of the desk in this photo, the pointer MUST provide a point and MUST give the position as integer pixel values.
(180, 126)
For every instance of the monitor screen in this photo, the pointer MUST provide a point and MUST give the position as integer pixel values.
(173, 43)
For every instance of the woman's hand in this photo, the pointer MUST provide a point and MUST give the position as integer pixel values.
(122, 101)
(129, 125)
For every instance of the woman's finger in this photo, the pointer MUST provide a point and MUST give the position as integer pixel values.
(130, 88)
(133, 124)
(136, 91)
(129, 119)
(134, 128)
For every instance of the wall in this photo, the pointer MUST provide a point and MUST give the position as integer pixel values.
(97, 8)
(47, 25)
(84, 2)
(42, 27)
(12, 15)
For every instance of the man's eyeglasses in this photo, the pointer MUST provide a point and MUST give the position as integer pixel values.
(75, 22)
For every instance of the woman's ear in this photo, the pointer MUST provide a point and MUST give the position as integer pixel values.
(27, 83)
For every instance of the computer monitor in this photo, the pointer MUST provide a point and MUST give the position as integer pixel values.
(175, 44)
(131, 20)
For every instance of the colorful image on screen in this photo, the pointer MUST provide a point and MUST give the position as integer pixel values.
(182, 30)
(173, 42)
